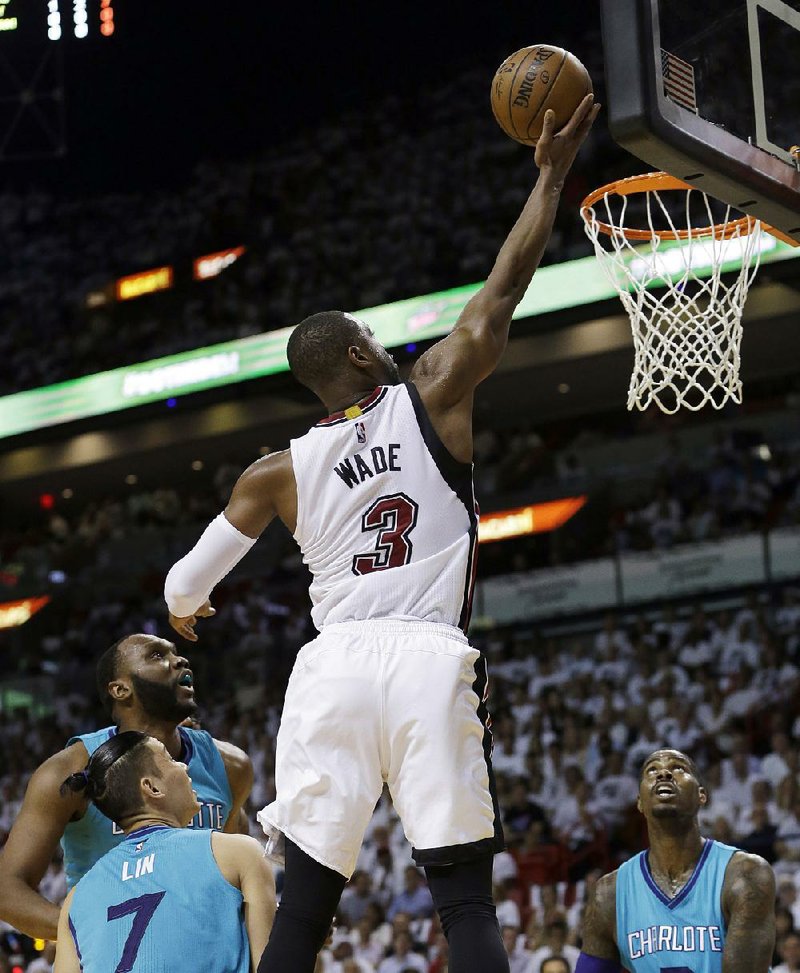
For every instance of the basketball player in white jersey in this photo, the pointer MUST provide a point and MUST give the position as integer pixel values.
(379, 497)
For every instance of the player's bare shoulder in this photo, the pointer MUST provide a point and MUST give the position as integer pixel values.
(748, 905)
(234, 758)
(266, 488)
(237, 854)
(749, 885)
(52, 773)
(238, 766)
(270, 471)
(600, 920)
(44, 788)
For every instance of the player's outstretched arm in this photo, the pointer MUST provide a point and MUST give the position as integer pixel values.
(241, 861)
(748, 903)
(449, 371)
(599, 953)
(33, 839)
(67, 959)
(226, 540)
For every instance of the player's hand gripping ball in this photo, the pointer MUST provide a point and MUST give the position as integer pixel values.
(532, 80)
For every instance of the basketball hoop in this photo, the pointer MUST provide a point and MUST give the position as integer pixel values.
(686, 322)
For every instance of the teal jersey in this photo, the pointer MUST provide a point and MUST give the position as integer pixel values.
(158, 903)
(86, 841)
(686, 934)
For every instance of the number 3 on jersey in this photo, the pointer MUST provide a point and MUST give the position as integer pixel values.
(393, 517)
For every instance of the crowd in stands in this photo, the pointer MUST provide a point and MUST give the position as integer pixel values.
(378, 207)
(574, 716)
(414, 194)
(733, 485)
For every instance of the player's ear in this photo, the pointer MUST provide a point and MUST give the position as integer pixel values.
(119, 690)
(357, 356)
(639, 805)
(703, 794)
(150, 788)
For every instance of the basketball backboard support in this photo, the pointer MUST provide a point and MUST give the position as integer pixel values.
(709, 91)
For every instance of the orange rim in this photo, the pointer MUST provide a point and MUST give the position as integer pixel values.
(656, 182)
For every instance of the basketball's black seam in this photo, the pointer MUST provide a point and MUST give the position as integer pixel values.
(543, 106)
(511, 92)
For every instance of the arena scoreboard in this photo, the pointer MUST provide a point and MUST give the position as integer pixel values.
(57, 20)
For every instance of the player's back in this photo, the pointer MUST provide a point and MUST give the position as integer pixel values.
(158, 903)
(685, 933)
(386, 517)
(86, 840)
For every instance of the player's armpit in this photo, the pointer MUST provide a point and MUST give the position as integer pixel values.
(258, 890)
(239, 770)
(599, 922)
(33, 839)
(748, 902)
(242, 863)
(449, 372)
(67, 960)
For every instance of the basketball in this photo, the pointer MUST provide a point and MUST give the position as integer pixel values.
(532, 80)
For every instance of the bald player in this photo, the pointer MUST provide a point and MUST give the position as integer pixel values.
(688, 904)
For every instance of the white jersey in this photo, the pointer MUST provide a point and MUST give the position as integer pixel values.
(386, 517)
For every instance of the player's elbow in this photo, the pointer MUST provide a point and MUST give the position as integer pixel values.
(14, 891)
(9, 883)
(179, 594)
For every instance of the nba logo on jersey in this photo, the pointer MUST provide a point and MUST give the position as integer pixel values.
(361, 432)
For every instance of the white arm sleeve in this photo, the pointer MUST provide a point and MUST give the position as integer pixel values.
(192, 579)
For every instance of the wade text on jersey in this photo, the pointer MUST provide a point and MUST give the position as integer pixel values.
(365, 465)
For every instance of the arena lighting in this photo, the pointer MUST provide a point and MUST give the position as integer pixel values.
(96, 299)
(15, 613)
(7, 21)
(536, 518)
(144, 383)
(146, 282)
(213, 264)
(80, 18)
(106, 18)
(555, 287)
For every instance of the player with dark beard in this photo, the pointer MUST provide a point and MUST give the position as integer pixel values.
(688, 904)
(146, 686)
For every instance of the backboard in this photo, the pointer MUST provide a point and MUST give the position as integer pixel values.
(709, 90)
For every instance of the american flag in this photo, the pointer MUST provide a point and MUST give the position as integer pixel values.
(678, 78)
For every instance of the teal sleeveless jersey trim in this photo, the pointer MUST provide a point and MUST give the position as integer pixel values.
(685, 934)
(158, 903)
(89, 838)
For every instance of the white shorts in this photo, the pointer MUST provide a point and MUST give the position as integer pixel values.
(394, 701)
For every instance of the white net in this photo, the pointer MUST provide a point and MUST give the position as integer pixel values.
(686, 322)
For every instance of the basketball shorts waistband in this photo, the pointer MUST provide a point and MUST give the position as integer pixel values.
(395, 626)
